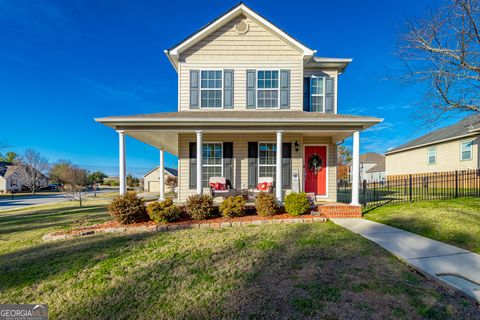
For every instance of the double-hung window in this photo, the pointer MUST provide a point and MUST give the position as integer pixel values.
(211, 89)
(267, 159)
(317, 94)
(432, 155)
(267, 89)
(466, 148)
(212, 161)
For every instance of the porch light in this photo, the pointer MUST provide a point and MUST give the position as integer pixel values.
(297, 146)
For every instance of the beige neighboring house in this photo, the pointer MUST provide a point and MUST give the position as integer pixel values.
(455, 147)
(151, 179)
(10, 181)
(253, 102)
(372, 166)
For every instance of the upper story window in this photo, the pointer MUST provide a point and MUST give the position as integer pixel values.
(211, 89)
(317, 99)
(466, 148)
(267, 89)
(432, 155)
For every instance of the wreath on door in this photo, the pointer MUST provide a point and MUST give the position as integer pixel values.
(315, 164)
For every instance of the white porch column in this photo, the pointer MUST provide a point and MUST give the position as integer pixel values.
(356, 168)
(279, 182)
(122, 176)
(199, 161)
(161, 170)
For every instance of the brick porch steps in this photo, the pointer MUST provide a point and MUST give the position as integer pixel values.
(339, 210)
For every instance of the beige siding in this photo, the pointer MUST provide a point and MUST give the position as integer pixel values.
(416, 160)
(151, 181)
(257, 49)
(240, 153)
(3, 186)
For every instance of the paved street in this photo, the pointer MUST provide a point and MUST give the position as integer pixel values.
(19, 201)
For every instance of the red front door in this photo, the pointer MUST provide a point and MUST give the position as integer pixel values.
(316, 183)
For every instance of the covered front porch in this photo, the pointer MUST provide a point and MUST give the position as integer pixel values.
(245, 146)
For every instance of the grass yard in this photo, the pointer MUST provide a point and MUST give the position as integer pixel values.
(454, 221)
(285, 271)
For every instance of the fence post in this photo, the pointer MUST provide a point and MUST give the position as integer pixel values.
(364, 185)
(410, 191)
(456, 183)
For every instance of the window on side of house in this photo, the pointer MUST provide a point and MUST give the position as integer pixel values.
(432, 155)
(211, 87)
(317, 94)
(466, 150)
(268, 89)
(267, 159)
(212, 161)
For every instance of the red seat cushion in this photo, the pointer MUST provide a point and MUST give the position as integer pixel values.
(217, 186)
(264, 186)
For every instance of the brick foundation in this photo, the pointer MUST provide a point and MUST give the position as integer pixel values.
(338, 210)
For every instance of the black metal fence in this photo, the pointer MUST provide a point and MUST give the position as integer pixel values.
(413, 187)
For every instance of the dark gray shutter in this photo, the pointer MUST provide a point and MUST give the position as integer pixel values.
(284, 89)
(287, 165)
(329, 95)
(252, 164)
(194, 89)
(228, 162)
(306, 94)
(251, 88)
(228, 89)
(192, 172)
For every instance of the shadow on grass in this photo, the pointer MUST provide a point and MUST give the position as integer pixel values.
(300, 273)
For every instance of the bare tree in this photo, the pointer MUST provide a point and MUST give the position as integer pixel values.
(31, 170)
(75, 182)
(442, 53)
(172, 183)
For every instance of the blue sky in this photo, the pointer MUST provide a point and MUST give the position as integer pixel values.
(62, 63)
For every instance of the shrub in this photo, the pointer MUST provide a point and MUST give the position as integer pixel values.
(199, 207)
(233, 207)
(266, 204)
(297, 203)
(163, 211)
(128, 208)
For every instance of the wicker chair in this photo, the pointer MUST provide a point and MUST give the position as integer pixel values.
(219, 193)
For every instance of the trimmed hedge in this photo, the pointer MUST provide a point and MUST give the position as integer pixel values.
(233, 207)
(297, 203)
(266, 204)
(199, 207)
(163, 211)
(128, 208)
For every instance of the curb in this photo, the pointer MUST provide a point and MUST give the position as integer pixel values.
(162, 228)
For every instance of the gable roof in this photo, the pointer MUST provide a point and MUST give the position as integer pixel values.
(171, 171)
(4, 167)
(372, 157)
(469, 126)
(174, 51)
(379, 167)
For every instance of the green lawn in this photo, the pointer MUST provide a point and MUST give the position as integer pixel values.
(289, 271)
(454, 221)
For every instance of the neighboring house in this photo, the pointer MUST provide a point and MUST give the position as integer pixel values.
(447, 149)
(10, 181)
(151, 179)
(253, 102)
(372, 166)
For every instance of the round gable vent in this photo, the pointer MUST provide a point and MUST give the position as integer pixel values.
(242, 27)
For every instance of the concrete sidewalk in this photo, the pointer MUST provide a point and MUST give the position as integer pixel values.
(455, 266)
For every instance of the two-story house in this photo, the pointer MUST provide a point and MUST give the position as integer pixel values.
(253, 102)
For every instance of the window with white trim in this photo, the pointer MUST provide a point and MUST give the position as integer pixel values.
(268, 89)
(212, 161)
(317, 94)
(267, 159)
(466, 150)
(211, 86)
(432, 155)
